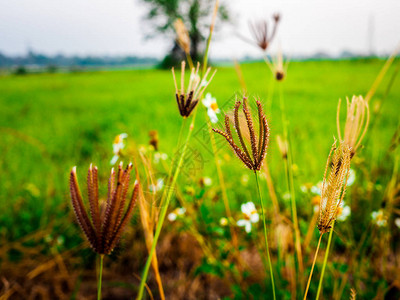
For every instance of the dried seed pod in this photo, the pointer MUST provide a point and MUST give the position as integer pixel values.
(107, 225)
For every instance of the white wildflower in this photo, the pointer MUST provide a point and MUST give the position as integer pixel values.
(118, 145)
(379, 218)
(250, 216)
(212, 107)
(180, 211)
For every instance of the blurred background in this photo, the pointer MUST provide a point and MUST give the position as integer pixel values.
(74, 75)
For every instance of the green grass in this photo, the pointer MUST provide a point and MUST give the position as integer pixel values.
(51, 122)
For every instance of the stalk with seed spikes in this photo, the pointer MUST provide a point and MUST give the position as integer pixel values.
(106, 227)
(332, 194)
(252, 158)
(187, 102)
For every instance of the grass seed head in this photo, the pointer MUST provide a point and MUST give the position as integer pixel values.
(357, 120)
(106, 224)
(182, 33)
(258, 144)
(259, 30)
(188, 98)
(334, 185)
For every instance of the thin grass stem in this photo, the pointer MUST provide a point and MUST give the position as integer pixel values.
(312, 268)
(214, 17)
(265, 236)
(290, 185)
(190, 61)
(325, 261)
(164, 209)
(100, 277)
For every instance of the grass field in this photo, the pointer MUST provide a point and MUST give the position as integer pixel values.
(51, 122)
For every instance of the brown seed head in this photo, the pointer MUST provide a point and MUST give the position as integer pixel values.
(105, 228)
(356, 122)
(182, 33)
(258, 145)
(334, 186)
(187, 100)
(154, 139)
(259, 30)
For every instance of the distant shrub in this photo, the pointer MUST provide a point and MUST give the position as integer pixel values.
(20, 70)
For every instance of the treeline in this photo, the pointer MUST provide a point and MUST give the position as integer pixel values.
(32, 59)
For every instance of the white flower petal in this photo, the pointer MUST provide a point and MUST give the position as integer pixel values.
(254, 218)
(172, 217)
(352, 177)
(212, 115)
(397, 222)
(248, 227)
(207, 101)
(242, 222)
(114, 159)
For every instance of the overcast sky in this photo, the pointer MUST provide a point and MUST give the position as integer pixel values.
(113, 27)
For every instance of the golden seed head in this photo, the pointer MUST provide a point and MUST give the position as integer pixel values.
(182, 33)
(104, 229)
(357, 120)
(258, 144)
(334, 185)
(188, 98)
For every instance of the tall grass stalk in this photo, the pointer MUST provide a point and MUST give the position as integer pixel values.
(325, 261)
(223, 187)
(164, 209)
(176, 174)
(100, 277)
(290, 186)
(174, 159)
(265, 235)
(190, 61)
(312, 268)
(214, 17)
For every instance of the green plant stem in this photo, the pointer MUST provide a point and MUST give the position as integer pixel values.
(312, 268)
(174, 159)
(205, 60)
(325, 261)
(290, 185)
(222, 185)
(265, 236)
(100, 277)
(190, 61)
(164, 210)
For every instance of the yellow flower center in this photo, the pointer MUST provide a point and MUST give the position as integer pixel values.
(214, 106)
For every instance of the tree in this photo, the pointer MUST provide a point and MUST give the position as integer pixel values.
(195, 14)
